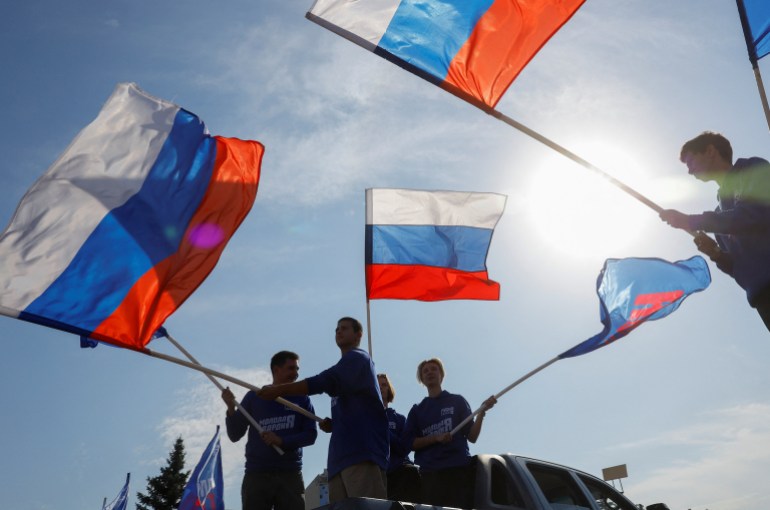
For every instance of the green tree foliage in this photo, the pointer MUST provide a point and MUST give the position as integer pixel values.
(165, 490)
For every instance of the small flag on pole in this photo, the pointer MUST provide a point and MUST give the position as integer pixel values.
(127, 223)
(472, 48)
(121, 501)
(430, 245)
(205, 488)
(633, 291)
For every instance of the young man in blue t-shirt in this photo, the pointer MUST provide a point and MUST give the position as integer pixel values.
(272, 480)
(358, 447)
(446, 468)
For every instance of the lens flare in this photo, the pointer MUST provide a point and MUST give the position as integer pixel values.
(205, 235)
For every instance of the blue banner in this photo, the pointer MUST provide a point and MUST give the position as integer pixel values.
(635, 290)
(121, 501)
(205, 488)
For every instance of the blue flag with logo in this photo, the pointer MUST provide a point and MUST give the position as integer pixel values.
(205, 488)
(121, 501)
(633, 291)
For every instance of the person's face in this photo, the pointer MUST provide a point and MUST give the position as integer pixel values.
(384, 388)
(286, 373)
(345, 336)
(700, 165)
(430, 374)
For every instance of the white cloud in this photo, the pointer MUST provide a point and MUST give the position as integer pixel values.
(724, 460)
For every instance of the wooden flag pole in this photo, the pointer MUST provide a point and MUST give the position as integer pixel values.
(753, 58)
(239, 382)
(243, 411)
(504, 391)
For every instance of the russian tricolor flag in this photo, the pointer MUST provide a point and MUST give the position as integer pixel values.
(472, 48)
(430, 245)
(127, 223)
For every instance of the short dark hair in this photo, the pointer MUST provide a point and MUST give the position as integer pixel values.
(357, 327)
(281, 357)
(700, 143)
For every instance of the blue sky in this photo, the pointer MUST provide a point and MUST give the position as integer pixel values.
(684, 401)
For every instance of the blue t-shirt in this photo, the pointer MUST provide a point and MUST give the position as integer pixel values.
(438, 415)
(359, 425)
(399, 451)
(296, 431)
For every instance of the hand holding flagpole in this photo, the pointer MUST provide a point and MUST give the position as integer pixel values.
(221, 375)
(243, 411)
(505, 390)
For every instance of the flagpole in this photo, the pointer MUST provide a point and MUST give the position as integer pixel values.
(369, 328)
(221, 388)
(239, 382)
(558, 148)
(753, 58)
(506, 390)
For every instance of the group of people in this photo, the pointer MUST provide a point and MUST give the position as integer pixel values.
(370, 442)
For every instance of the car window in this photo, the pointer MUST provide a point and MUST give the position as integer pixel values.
(605, 496)
(559, 488)
(503, 491)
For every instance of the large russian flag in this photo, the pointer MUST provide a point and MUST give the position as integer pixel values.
(473, 48)
(430, 245)
(127, 223)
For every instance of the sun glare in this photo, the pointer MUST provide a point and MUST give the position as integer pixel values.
(579, 212)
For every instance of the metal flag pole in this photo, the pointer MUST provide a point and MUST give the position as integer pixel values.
(504, 391)
(753, 58)
(239, 382)
(369, 329)
(221, 388)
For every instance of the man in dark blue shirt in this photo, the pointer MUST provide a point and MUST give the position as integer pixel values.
(358, 447)
(741, 221)
(272, 480)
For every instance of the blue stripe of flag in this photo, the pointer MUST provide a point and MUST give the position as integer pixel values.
(758, 14)
(132, 238)
(428, 35)
(462, 248)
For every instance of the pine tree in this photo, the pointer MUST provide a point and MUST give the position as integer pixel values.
(165, 490)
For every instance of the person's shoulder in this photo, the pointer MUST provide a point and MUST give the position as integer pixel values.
(753, 162)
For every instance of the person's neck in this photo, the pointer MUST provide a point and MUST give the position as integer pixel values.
(434, 391)
(347, 349)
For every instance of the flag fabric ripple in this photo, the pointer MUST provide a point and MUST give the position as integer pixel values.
(127, 223)
(430, 245)
(121, 500)
(474, 47)
(205, 488)
(755, 18)
(634, 290)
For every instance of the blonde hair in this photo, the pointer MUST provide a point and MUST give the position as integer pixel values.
(425, 362)
(391, 390)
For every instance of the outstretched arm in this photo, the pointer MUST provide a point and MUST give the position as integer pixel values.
(283, 390)
(475, 431)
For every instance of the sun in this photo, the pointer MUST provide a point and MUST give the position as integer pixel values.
(582, 214)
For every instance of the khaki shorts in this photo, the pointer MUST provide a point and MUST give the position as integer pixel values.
(364, 480)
